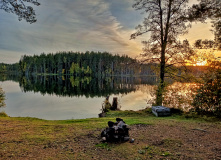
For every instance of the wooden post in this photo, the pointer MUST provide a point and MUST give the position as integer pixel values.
(114, 104)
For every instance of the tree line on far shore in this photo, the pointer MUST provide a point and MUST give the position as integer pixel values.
(78, 64)
(94, 64)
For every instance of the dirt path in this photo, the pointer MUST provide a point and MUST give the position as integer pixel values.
(181, 141)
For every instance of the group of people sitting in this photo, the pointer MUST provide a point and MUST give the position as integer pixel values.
(116, 131)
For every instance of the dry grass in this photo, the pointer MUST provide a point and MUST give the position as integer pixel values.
(155, 138)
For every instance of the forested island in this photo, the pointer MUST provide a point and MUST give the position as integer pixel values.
(77, 64)
(95, 64)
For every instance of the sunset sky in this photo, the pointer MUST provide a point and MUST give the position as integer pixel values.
(78, 25)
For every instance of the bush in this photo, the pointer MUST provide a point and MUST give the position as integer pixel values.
(2, 98)
(106, 106)
(3, 114)
(208, 95)
(178, 97)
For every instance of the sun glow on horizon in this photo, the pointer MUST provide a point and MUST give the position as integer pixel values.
(197, 63)
(201, 63)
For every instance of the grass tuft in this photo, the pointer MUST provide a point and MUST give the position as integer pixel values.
(104, 146)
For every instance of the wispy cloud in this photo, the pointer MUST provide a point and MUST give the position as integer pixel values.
(77, 25)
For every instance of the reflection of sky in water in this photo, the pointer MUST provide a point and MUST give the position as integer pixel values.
(52, 107)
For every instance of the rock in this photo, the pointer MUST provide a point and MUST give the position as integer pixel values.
(132, 140)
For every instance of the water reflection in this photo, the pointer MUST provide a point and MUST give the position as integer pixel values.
(50, 107)
(77, 86)
(57, 98)
(179, 95)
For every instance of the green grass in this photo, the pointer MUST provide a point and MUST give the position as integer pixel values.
(80, 137)
(130, 117)
(104, 146)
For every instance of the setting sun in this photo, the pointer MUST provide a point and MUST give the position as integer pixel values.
(201, 63)
(197, 63)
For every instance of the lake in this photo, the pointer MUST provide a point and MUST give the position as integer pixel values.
(60, 98)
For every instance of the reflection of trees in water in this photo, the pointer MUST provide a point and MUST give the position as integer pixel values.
(80, 86)
(176, 95)
(179, 95)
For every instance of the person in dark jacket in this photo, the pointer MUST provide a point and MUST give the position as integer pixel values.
(117, 131)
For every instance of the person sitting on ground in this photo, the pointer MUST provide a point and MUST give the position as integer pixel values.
(117, 131)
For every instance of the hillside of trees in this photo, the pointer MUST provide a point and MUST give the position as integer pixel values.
(95, 64)
(90, 64)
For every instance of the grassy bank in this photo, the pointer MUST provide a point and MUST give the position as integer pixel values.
(175, 137)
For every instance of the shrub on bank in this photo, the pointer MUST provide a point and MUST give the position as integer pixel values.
(208, 95)
(3, 114)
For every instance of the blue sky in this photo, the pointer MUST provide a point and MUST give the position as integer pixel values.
(76, 25)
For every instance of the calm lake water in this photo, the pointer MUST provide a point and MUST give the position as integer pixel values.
(75, 99)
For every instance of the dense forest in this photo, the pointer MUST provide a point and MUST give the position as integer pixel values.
(78, 64)
(95, 64)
